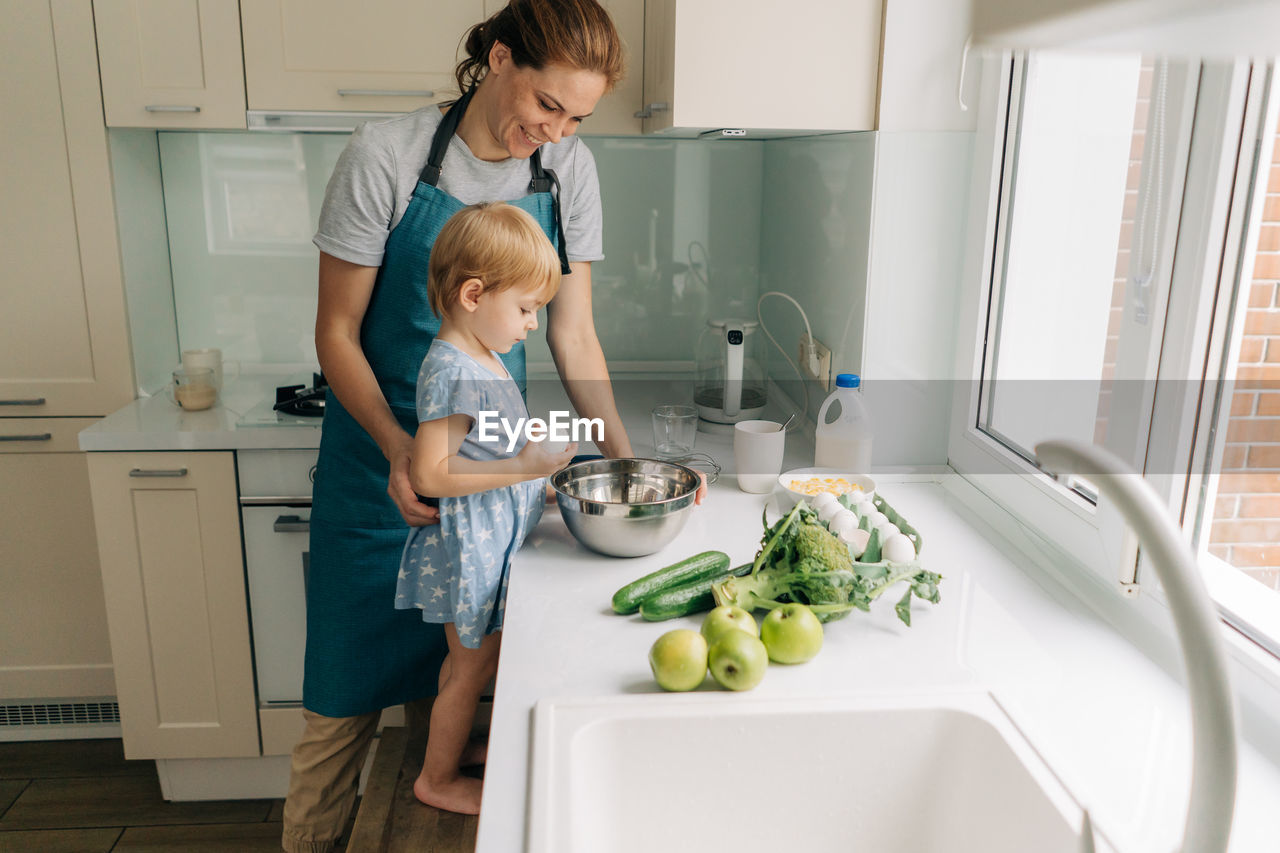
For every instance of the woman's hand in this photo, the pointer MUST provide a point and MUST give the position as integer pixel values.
(538, 459)
(701, 494)
(414, 511)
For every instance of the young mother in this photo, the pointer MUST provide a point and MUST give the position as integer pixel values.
(533, 72)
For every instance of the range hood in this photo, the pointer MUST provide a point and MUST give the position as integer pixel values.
(1210, 29)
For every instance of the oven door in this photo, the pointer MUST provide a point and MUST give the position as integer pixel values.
(276, 538)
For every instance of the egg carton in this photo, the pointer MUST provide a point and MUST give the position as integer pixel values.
(871, 557)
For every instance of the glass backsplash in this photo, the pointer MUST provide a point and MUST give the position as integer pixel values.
(682, 222)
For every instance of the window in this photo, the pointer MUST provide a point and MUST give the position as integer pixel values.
(1129, 295)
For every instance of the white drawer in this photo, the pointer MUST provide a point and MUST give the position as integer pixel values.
(286, 474)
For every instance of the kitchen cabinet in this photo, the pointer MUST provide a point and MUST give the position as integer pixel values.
(383, 56)
(54, 630)
(389, 55)
(168, 531)
(168, 64)
(64, 356)
(750, 64)
(62, 310)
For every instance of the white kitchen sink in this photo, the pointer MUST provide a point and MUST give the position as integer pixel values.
(713, 771)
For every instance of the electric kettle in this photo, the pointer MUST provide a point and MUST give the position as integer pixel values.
(729, 383)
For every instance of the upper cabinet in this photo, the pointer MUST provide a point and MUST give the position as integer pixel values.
(63, 325)
(712, 64)
(390, 55)
(386, 56)
(692, 65)
(170, 63)
(616, 112)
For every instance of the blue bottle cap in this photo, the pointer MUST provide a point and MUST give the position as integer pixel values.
(848, 380)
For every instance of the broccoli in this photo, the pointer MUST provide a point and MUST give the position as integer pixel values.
(801, 560)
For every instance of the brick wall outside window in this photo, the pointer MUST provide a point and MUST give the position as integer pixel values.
(1246, 520)
(1246, 526)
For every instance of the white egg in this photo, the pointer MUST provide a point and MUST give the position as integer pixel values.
(856, 495)
(877, 519)
(864, 507)
(856, 539)
(898, 549)
(887, 530)
(843, 520)
(821, 499)
(828, 512)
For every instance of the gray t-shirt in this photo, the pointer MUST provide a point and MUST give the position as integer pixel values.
(378, 170)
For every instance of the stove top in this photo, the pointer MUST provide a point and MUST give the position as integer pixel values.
(291, 405)
(265, 415)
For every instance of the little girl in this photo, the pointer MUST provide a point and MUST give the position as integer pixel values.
(491, 269)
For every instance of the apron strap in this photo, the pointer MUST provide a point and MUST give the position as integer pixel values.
(440, 140)
(542, 182)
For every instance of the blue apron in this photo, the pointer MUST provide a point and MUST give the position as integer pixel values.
(363, 654)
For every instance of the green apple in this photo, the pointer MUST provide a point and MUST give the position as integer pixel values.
(738, 660)
(679, 659)
(791, 633)
(727, 617)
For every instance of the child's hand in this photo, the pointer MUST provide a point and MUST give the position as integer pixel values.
(544, 458)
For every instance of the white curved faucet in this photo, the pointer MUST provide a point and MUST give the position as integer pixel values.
(1213, 767)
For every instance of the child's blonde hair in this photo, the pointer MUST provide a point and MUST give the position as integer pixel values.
(495, 242)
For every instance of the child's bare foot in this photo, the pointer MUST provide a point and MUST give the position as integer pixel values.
(461, 795)
(474, 753)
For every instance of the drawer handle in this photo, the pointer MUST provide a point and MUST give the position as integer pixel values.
(387, 93)
(44, 436)
(158, 472)
(31, 401)
(650, 109)
(168, 108)
(291, 524)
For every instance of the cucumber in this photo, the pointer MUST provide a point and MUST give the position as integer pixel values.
(706, 564)
(688, 598)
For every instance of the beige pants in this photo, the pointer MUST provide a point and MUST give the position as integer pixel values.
(325, 774)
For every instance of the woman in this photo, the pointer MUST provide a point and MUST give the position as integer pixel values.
(533, 72)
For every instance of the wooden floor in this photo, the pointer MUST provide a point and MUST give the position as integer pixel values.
(82, 796)
(390, 819)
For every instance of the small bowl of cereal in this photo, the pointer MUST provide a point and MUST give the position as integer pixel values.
(808, 483)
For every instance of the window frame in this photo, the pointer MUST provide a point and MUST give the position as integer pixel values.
(1211, 232)
(1072, 526)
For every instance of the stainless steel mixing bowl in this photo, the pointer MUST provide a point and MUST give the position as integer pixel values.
(625, 507)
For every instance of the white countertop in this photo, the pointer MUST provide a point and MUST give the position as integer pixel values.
(1112, 725)
(157, 423)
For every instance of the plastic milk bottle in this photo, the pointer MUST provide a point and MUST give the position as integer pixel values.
(844, 441)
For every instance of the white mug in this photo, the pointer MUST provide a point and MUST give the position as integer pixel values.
(210, 357)
(757, 453)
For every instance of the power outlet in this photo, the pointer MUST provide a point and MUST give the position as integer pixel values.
(824, 360)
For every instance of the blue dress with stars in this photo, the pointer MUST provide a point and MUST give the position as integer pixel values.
(457, 571)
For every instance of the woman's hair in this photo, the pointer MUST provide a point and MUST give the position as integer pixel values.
(495, 242)
(578, 34)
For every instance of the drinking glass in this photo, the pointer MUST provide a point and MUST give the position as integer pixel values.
(674, 429)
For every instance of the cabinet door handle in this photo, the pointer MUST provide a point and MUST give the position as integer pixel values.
(43, 436)
(649, 109)
(31, 401)
(387, 93)
(171, 108)
(291, 524)
(158, 472)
